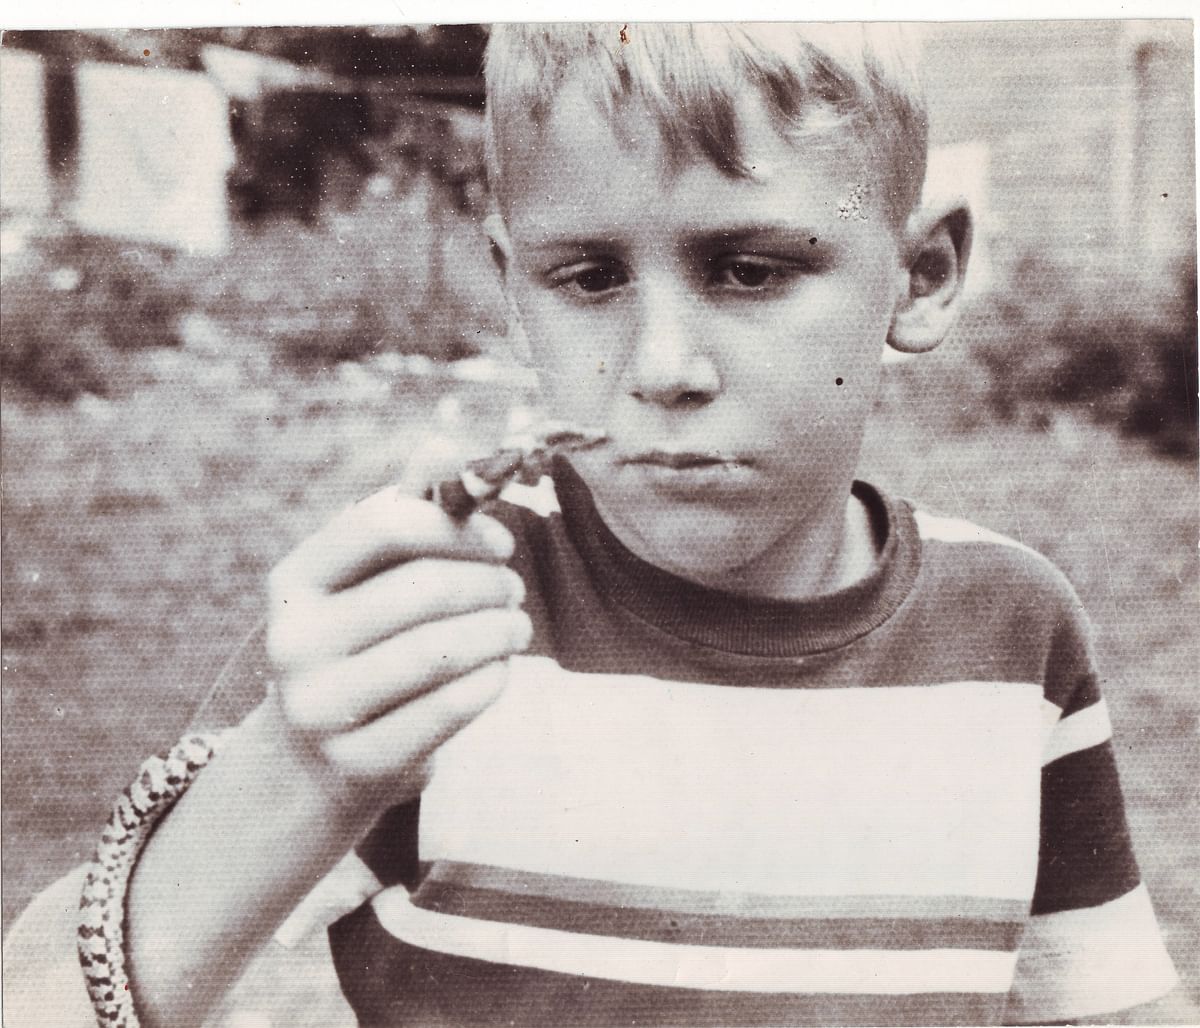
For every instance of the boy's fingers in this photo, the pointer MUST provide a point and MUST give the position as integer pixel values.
(410, 594)
(334, 697)
(382, 531)
(435, 459)
(411, 733)
(418, 592)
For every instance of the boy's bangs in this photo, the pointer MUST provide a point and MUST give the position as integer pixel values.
(690, 79)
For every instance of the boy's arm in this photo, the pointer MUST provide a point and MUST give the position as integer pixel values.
(1092, 947)
(225, 867)
(389, 627)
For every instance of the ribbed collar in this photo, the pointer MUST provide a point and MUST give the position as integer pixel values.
(739, 624)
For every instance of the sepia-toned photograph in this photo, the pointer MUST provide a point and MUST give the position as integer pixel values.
(600, 524)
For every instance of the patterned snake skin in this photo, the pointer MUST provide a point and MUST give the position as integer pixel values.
(101, 939)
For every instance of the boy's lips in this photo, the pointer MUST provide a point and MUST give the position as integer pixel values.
(692, 475)
(680, 460)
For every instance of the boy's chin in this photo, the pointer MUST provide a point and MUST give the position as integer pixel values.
(712, 547)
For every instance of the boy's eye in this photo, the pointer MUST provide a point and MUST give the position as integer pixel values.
(745, 271)
(597, 280)
(591, 278)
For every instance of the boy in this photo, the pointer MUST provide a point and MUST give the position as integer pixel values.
(764, 746)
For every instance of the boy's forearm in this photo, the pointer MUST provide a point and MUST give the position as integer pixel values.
(225, 867)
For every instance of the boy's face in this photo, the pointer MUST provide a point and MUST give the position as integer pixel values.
(725, 332)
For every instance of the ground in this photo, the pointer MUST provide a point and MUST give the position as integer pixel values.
(137, 533)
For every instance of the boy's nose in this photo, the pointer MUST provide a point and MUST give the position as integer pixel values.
(668, 366)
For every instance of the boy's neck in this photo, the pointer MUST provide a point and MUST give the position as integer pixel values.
(820, 556)
(832, 554)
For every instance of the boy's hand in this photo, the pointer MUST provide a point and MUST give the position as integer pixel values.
(391, 625)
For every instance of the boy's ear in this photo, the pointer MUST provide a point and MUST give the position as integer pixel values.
(501, 247)
(937, 246)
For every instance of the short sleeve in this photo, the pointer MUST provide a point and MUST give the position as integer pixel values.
(1092, 944)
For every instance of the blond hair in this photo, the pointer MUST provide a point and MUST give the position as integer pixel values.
(812, 79)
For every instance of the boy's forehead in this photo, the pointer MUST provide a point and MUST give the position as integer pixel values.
(575, 130)
(582, 161)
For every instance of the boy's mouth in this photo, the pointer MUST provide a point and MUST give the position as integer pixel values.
(691, 476)
(683, 460)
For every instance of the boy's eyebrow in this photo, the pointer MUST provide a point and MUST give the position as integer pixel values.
(735, 234)
(568, 242)
(708, 238)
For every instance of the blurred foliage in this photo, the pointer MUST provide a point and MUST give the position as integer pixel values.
(362, 51)
(406, 274)
(1124, 359)
(301, 152)
(361, 282)
(77, 307)
(396, 273)
(373, 51)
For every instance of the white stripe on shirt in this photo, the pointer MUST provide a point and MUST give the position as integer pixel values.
(1080, 731)
(959, 530)
(346, 887)
(540, 498)
(1077, 963)
(918, 790)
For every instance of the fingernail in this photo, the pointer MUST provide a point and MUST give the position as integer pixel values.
(497, 538)
(516, 592)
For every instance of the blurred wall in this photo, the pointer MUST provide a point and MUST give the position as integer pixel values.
(1086, 129)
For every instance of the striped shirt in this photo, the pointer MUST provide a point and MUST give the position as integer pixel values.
(892, 804)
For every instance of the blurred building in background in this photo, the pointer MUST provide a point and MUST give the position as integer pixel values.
(151, 157)
(25, 178)
(1077, 140)
(131, 134)
(1074, 140)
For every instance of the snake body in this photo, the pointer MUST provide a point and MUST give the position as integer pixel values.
(100, 942)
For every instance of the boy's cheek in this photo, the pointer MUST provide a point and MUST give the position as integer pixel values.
(567, 349)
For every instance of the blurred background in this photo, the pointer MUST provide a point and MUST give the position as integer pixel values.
(243, 278)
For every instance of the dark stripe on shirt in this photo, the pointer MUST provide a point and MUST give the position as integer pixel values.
(390, 849)
(723, 903)
(714, 929)
(1086, 856)
(982, 613)
(388, 982)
